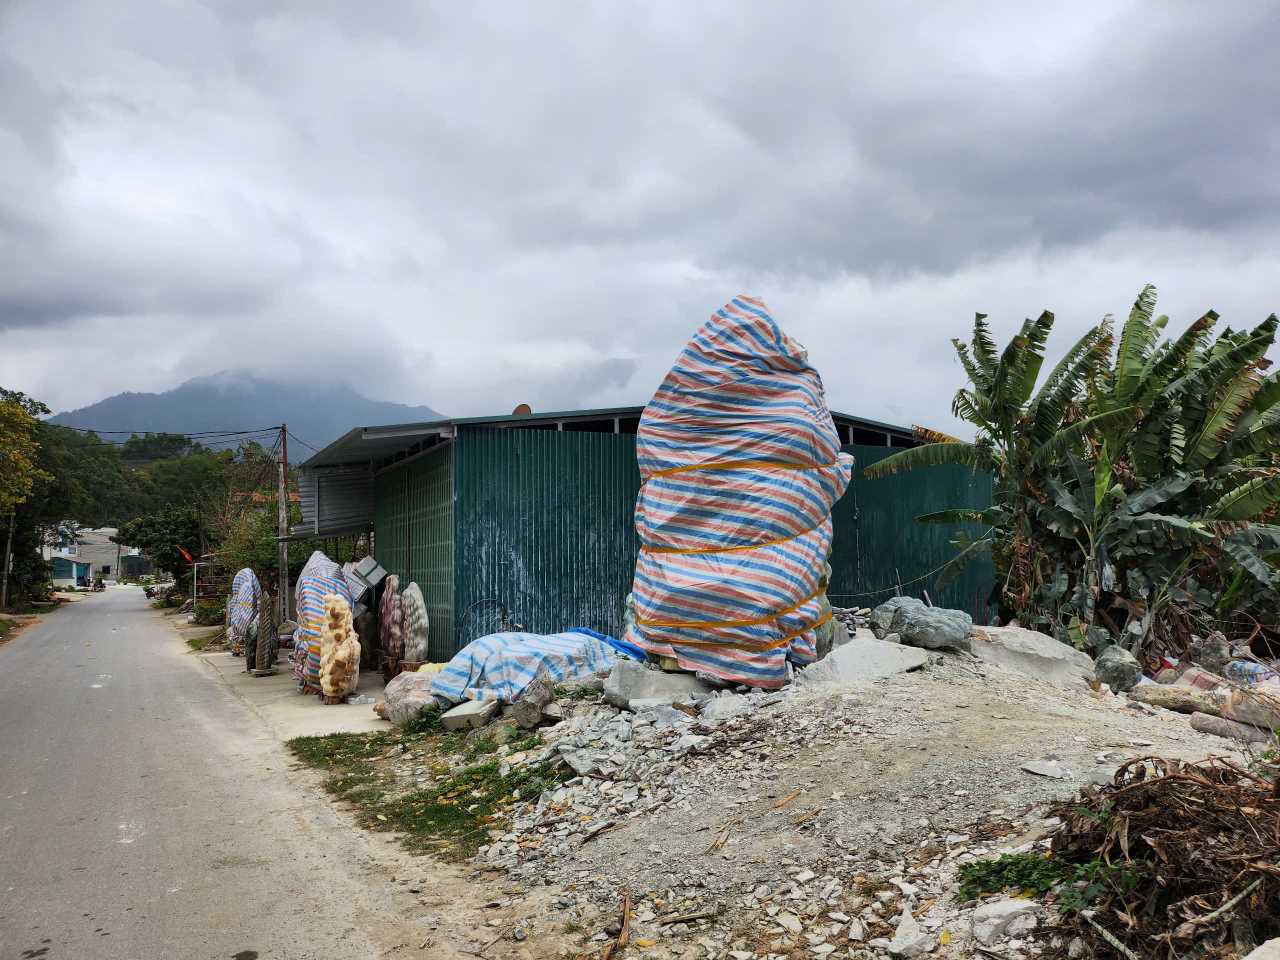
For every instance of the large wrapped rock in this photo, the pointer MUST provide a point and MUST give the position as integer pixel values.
(1117, 668)
(392, 619)
(416, 624)
(740, 465)
(407, 695)
(339, 651)
(933, 628)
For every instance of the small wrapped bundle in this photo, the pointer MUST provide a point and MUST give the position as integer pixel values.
(265, 659)
(416, 624)
(339, 651)
(392, 619)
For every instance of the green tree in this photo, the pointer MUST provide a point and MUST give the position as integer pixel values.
(1132, 497)
(20, 471)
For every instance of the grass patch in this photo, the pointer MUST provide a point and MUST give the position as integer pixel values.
(197, 643)
(574, 691)
(5, 627)
(1076, 885)
(454, 814)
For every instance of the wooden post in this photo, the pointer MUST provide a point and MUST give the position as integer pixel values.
(8, 552)
(282, 494)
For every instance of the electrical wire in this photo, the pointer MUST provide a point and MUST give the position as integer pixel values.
(142, 434)
(294, 436)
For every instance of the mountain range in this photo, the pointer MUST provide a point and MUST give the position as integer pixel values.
(316, 413)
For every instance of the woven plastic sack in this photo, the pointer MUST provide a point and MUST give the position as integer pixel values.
(319, 578)
(416, 623)
(339, 651)
(741, 465)
(391, 620)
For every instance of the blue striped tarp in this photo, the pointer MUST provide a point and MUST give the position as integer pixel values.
(740, 462)
(500, 665)
(321, 577)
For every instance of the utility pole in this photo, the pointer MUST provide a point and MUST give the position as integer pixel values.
(8, 552)
(282, 494)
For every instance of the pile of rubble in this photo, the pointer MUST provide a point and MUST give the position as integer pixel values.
(830, 818)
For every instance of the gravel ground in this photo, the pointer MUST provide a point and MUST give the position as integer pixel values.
(808, 825)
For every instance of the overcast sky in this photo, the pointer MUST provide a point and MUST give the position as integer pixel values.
(473, 205)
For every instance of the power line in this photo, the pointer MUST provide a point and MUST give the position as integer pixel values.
(143, 434)
(294, 436)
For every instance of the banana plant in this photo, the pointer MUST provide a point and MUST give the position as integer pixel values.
(1019, 431)
(1145, 478)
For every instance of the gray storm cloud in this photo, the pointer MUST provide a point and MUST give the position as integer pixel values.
(472, 206)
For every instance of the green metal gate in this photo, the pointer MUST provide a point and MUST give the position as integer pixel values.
(414, 529)
(879, 545)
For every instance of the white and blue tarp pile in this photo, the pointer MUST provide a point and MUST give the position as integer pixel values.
(242, 608)
(499, 666)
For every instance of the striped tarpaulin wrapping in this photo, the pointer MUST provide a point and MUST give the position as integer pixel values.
(319, 578)
(741, 464)
(242, 607)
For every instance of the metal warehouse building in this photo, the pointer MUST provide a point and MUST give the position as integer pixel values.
(535, 511)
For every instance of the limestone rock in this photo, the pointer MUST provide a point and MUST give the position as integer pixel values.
(407, 695)
(630, 681)
(527, 710)
(992, 921)
(934, 628)
(725, 706)
(1117, 668)
(909, 940)
(861, 660)
(470, 714)
(1212, 652)
(1032, 653)
(1268, 951)
(882, 616)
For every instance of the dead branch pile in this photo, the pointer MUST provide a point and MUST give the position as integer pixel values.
(1199, 847)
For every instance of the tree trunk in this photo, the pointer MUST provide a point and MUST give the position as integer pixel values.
(8, 552)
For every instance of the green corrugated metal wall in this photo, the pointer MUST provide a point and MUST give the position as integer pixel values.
(545, 524)
(413, 530)
(879, 543)
(543, 521)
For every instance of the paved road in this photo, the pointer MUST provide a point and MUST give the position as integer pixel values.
(145, 812)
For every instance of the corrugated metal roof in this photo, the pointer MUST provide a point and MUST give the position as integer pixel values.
(372, 445)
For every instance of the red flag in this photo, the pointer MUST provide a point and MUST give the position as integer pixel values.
(189, 558)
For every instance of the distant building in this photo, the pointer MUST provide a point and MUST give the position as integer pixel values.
(91, 553)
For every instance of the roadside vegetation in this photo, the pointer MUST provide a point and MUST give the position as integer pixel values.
(168, 494)
(442, 792)
(1135, 486)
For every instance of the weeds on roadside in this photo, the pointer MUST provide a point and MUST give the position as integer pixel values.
(1075, 885)
(453, 815)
